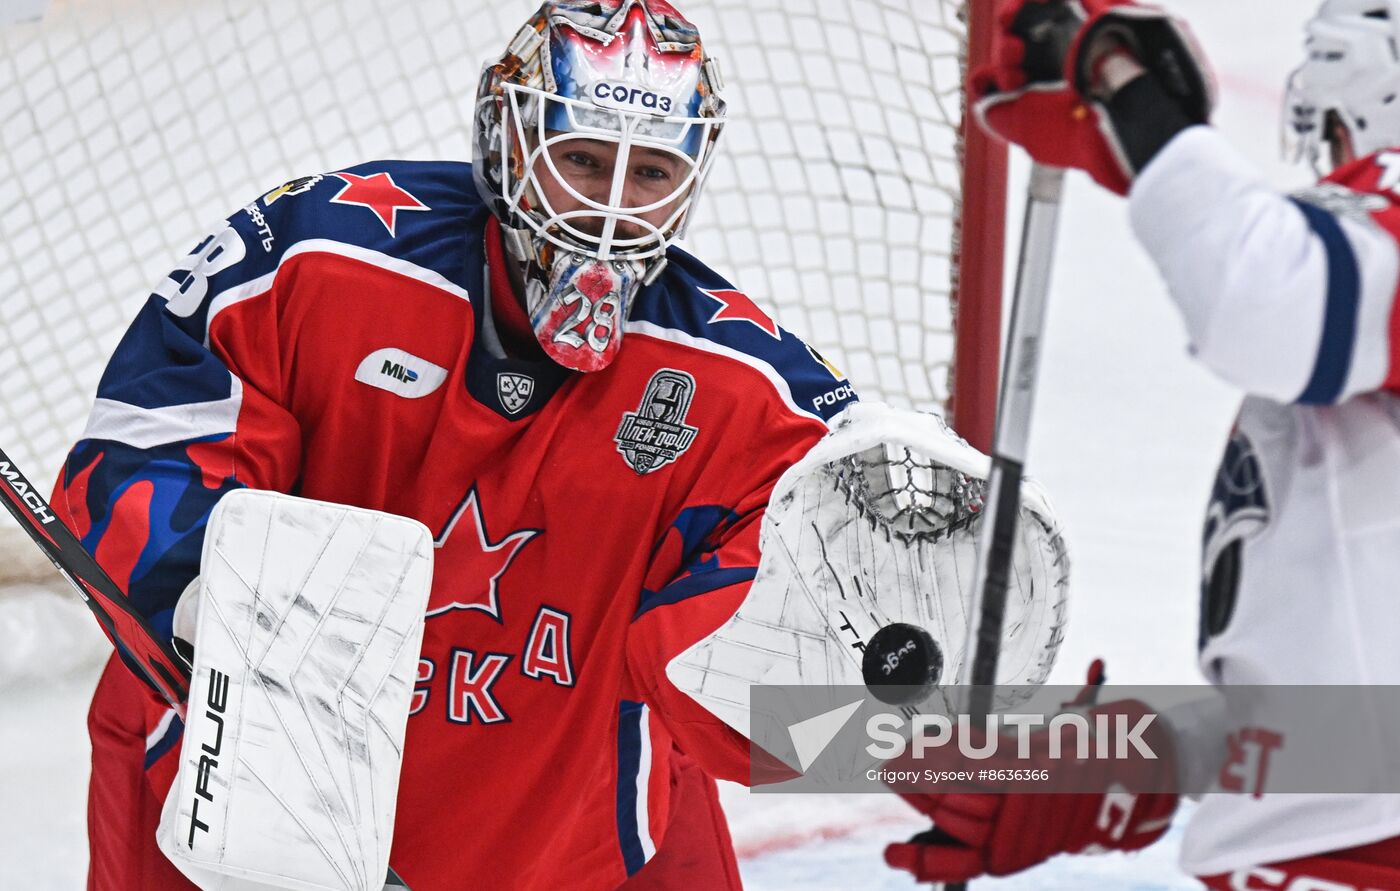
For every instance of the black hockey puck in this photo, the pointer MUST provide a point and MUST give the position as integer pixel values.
(902, 664)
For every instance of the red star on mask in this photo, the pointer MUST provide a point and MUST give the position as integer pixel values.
(735, 307)
(379, 193)
(470, 563)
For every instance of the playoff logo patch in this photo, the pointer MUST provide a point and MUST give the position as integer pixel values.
(656, 433)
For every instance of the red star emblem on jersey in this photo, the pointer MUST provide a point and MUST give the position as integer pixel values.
(380, 194)
(735, 307)
(467, 567)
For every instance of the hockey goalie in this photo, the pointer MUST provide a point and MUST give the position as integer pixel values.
(589, 423)
(304, 627)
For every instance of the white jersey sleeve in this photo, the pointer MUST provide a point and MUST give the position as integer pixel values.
(1285, 297)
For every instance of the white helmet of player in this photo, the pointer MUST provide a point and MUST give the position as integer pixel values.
(1351, 80)
(594, 132)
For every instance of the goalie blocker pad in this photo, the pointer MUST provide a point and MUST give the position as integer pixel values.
(309, 628)
(877, 525)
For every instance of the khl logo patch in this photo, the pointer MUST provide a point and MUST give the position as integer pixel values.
(656, 433)
(514, 391)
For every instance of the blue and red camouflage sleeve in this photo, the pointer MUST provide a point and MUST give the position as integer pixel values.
(179, 420)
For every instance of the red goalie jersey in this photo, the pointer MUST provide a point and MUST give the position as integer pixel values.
(328, 342)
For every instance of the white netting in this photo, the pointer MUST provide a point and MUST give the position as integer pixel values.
(128, 127)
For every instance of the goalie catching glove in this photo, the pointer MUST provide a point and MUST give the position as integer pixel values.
(876, 527)
(1000, 833)
(1066, 84)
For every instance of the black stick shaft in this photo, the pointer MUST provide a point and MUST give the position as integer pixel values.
(1003, 509)
(1019, 374)
(152, 659)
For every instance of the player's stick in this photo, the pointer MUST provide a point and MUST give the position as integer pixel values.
(1013, 425)
(152, 659)
(998, 534)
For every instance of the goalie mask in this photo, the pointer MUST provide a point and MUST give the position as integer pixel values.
(1352, 72)
(594, 133)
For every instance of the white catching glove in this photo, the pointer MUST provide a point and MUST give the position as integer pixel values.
(876, 525)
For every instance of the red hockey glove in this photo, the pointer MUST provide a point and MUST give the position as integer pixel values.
(1003, 833)
(1041, 89)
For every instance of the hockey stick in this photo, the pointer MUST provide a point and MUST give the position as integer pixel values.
(1009, 446)
(152, 660)
(1013, 426)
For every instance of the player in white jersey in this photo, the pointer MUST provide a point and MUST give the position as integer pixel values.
(1293, 300)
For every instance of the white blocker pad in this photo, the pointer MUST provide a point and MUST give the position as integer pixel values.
(308, 634)
(878, 524)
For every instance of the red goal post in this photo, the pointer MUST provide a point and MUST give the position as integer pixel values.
(980, 259)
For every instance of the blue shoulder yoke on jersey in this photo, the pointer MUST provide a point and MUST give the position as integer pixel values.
(693, 302)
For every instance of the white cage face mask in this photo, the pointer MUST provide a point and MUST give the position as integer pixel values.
(1353, 71)
(606, 182)
(594, 133)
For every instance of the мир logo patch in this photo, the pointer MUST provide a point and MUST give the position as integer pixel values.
(400, 372)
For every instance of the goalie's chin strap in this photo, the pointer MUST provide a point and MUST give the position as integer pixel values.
(512, 324)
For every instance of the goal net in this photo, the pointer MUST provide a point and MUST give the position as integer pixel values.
(127, 127)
